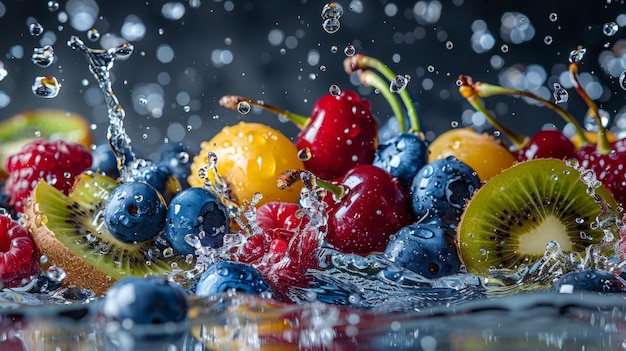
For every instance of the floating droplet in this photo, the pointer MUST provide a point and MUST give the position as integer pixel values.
(331, 25)
(53, 6)
(43, 57)
(577, 54)
(334, 90)
(560, 94)
(46, 87)
(504, 48)
(334, 49)
(93, 34)
(622, 80)
(125, 49)
(243, 107)
(449, 45)
(323, 68)
(304, 154)
(3, 71)
(332, 11)
(553, 17)
(349, 50)
(548, 40)
(399, 83)
(610, 28)
(35, 29)
(430, 68)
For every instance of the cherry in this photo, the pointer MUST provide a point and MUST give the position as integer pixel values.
(547, 143)
(341, 132)
(372, 207)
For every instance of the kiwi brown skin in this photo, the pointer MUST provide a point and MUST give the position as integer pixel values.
(60, 226)
(510, 220)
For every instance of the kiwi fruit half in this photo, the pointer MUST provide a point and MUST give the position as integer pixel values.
(511, 219)
(41, 123)
(70, 232)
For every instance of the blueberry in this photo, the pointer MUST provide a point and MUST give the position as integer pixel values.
(402, 156)
(146, 301)
(224, 276)
(134, 212)
(156, 174)
(104, 161)
(178, 158)
(441, 188)
(589, 280)
(425, 248)
(195, 211)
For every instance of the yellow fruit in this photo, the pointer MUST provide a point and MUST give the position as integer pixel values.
(483, 153)
(592, 137)
(251, 156)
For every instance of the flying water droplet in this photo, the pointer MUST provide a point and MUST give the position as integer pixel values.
(43, 57)
(331, 25)
(93, 34)
(3, 71)
(243, 107)
(553, 17)
(332, 11)
(349, 50)
(399, 83)
(504, 48)
(35, 29)
(449, 45)
(560, 94)
(577, 54)
(548, 40)
(610, 28)
(53, 6)
(304, 154)
(334, 49)
(622, 80)
(46, 87)
(334, 90)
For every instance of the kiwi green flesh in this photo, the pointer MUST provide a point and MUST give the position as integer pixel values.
(51, 124)
(512, 218)
(77, 223)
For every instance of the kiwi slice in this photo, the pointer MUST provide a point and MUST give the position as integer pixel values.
(70, 232)
(512, 218)
(41, 123)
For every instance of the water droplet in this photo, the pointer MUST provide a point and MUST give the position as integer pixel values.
(349, 50)
(454, 124)
(323, 68)
(334, 49)
(560, 94)
(622, 80)
(46, 87)
(430, 68)
(577, 54)
(243, 107)
(399, 83)
(43, 57)
(3, 72)
(35, 29)
(610, 28)
(53, 6)
(504, 48)
(332, 11)
(93, 34)
(553, 17)
(55, 273)
(449, 45)
(331, 25)
(334, 90)
(43, 259)
(548, 40)
(124, 49)
(305, 154)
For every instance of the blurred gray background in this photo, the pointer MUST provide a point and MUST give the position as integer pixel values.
(190, 53)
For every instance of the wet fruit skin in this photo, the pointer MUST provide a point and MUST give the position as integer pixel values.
(483, 153)
(224, 276)
(341, 133)
(589, 280)
(402, 155)
(16, 253)
(251, 156)
(374, 207)
(547, 144)
(609, 168)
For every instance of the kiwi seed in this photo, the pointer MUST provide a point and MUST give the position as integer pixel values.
(512, 218)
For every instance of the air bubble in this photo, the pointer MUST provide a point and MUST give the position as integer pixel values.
(610, 28)
(46, 87)
(35, 29)
(331, 25)
(349, 50)
(334, 90)
(243, 107)
(577, 54)
(560, 94)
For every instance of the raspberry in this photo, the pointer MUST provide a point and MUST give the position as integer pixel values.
(57, 162)
(16, 253)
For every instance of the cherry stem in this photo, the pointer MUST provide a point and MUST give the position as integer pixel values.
(233, 102)
(603, 145)
(486, 90)
(292, 176)
(370, 78)
(359, 62)
(469, 92)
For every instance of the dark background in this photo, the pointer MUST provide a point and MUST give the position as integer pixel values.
(281, 74)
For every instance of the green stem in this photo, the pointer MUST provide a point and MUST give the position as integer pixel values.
(338, 191)
(486, 90)
(359, 62)
(369, 78)
(232, 102)
(468, 91)
(603, 145)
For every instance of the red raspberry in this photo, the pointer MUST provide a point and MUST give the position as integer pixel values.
(16, 253)
(57, 162)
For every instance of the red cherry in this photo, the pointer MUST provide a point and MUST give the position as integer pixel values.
(610, 168)
(373, 207)
(550, 143)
